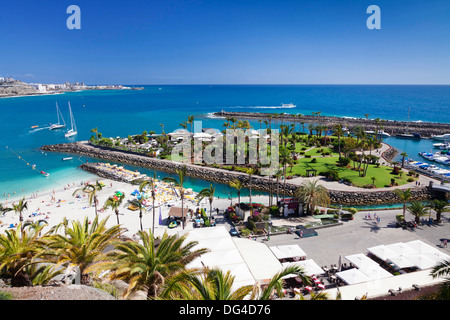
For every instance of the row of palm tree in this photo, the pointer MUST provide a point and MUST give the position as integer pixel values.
(418, 208)
(157, 266)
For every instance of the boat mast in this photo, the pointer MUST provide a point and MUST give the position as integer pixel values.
(57, 111)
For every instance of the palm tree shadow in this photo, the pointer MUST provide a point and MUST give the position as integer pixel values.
(373, 226)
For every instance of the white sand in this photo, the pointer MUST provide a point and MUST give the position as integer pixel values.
(72, 208)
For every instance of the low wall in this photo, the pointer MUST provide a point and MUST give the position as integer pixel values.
(222, 176)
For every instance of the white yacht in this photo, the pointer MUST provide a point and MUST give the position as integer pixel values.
(379, 133)
(58, 125)
(442, 137)
(73, 131)
(288, 105)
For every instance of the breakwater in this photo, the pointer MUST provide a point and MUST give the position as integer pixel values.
(220, 175)
(393, 127)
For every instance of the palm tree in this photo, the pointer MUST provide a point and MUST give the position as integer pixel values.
(215, 284)
(442, 269)
(339, 132)
(238, 185)
(145, 265)
(184, 124)
(191, 121)
(204, 284)
(18, 249)
(152, 185)
(276, 283)
(404, 196)
(20, 207)
(439, 206)
(81, 244)
(404, 155)
(207, 193)
(91, 191)
(114, 203)
(138, 203)
(417, 209)
(95, 130)
(312, 195)
(179, 183)
(250, 172)
(285, 160)
(4, 209)
(278, 174)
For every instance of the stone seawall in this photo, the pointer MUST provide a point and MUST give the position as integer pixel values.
(220, 175)
(393, 127)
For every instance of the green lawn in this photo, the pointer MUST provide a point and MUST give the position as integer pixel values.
(382, 174)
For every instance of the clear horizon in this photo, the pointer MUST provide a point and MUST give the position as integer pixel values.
(176, 42)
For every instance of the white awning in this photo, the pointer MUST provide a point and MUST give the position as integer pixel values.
(421, 261)
(309, 266)
(382, 252)
(401, 262)
(352, 276)
(262, 264)
(375, 272)
(421, 246)
(360, 260)
(288, 251)
(402, 248)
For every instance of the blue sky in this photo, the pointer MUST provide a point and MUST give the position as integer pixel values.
(227, 42)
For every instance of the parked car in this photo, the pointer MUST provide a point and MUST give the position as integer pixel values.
(234, 232)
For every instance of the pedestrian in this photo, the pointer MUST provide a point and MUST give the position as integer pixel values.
(445, 243)
(369, 216)
(301, 233)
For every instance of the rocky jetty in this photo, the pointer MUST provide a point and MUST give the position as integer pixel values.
(218, 175)
(16, 88)
(393, 127)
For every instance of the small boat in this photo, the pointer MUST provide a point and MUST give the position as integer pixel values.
(442, 137)
(46, 174)
(379, 133)
(58, 125)
(288, 105)
(409, 136)
(34, 127)
(439, 145)
(73, 131)
(68, 158)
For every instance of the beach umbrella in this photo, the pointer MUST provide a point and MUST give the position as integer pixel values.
(340, 262)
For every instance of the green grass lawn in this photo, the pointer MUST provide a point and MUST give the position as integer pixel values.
(382, 174)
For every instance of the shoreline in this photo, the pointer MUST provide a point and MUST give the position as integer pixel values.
(339, 192)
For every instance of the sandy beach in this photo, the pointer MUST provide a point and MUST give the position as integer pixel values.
(53, 207)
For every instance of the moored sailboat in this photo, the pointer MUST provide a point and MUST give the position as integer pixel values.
(73, 131)
(58, 125)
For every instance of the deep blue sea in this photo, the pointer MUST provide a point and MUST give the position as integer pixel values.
(123, 112)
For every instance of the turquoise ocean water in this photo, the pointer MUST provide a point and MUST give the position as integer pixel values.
(123, 112)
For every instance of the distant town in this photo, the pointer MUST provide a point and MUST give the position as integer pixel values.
(10, 87)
